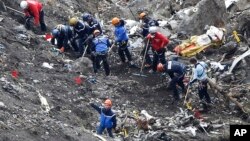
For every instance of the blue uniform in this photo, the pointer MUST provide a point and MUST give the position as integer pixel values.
(107, 119)
(200, 74)
(65, 34)
(176, 71)
(93, 25)
(121, 39)
(81, 33)
(100, 46)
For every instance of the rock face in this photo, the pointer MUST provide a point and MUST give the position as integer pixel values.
(210, 12)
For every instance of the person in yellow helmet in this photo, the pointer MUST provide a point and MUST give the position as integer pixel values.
(107, 119)
(81, 35)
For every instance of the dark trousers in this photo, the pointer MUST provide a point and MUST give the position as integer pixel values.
(42, 22)
(122, 51)
(174, 81)
(148, 60)
(77, 44)
(202, 91)
(158, 57)
(100, 129)
(96, 63)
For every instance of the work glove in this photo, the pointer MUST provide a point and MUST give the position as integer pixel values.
(91, 36)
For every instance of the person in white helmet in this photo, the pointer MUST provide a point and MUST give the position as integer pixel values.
(33, 9)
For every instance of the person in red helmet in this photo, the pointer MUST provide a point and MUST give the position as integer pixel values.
(107, 119)
(33, 9)
(158, 44)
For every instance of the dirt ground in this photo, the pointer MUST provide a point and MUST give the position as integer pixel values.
(21, 114)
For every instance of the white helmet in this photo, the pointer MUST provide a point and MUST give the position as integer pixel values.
(152, 29)
(24, 4)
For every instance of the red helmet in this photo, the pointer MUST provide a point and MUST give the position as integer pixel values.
(160, 67)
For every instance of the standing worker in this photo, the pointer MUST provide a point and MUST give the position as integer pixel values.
(100, 47)
(62, 34)
(107, 119)
(158, 42)
(147, 23)
(176, 71)
(33, 9)
(121, 40)
(93, 23)
(200, 75)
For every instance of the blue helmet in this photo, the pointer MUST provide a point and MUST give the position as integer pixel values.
(55, 32)
(86, 16)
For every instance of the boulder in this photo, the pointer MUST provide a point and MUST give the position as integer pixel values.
(209, 12)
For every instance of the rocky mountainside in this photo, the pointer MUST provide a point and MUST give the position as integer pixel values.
(43, 97)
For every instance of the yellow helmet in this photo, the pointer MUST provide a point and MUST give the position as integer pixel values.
(115, 21)
(73, 21)
(142, 15)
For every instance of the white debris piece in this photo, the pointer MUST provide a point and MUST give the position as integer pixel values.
(247, 53)
(47, 65)
(228, 3)
(148, 116)
(44, 103)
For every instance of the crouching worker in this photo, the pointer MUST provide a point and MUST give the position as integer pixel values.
(33, 9)
(107, 119)
(176, 71)
(62, 34)
(100, 46)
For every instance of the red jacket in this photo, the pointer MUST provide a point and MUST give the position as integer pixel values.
(158, 42)
(34, 9)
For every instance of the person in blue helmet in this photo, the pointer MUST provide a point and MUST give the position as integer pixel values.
(176, 70)
(100, 47)
(62, 34)
(121, 40)
(92, 22)
(107, 119)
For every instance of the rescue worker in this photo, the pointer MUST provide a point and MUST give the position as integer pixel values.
(176, 70)
(147, 22)
(200, 75)
(100, 47)
(33, 9)
(92, 22)
(121, 40)
(107, 119)
(158, 43)
(81, 36)
(62, 34)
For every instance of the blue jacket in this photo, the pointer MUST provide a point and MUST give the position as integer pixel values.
(93, 25)
(148, 23)
(65, 34)
(81, 30)
(176, 67)
(108, 117)
(199, 72)
(100, 44)
(120, 33)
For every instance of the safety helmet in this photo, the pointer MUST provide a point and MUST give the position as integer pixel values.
(55, 32)
(73, 21)
(115, 21)
(142, 15)
(160, 67)
(152, 29)
(96, 32)
(108, 102)
(86, 16)
(24, 4)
